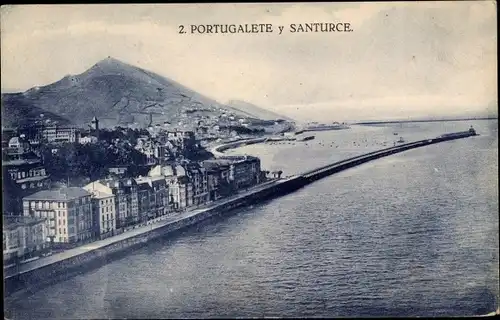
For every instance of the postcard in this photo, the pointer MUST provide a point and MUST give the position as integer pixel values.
(246, 160)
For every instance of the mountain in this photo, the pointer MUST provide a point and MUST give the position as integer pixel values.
(254, 111)
(16, 112)
(117, 94)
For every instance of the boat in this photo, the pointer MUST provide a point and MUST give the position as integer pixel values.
(395, 133)
(324, 127)
(401, 140)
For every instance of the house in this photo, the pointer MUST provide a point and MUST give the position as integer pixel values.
(87, 139)
(118, 171)
(68, 210)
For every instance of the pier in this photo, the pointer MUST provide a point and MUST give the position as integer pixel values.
(45, 269)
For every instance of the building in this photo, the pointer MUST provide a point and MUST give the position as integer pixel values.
(17, 147)
(61, 134)
(68, 210)
(185, 140)
(23, 166)
(126, 199)
(103, 212)
(152, 197)
(7, 134)
(87, 139)
(145, 200)
(218, 180)
(118, 171)
(23, 174)
(23, 237)
(197, 176)
(32, 132)
(244, 171)
(180, 190)
(28, 174)
(153, 150)
(94, 124)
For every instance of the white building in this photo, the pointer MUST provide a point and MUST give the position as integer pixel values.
(68, 210)
(103, 211)
(87, 139)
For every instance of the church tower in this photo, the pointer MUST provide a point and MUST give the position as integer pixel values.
(95, 124)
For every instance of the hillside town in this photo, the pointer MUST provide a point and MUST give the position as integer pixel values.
(65, 186)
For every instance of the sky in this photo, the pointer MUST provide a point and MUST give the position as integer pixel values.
(403, 59)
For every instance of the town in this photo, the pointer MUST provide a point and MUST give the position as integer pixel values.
(65, 186)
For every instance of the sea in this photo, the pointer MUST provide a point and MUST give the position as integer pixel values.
(412, 234)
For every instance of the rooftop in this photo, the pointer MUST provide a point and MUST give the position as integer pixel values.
(19, 162)
(62, 194)
(33, 179)
(215, 165)
(101, 195)
(218, 162)
(11, 222)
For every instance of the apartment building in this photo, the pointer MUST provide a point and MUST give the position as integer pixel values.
(180, 190)
(197, 176)
(244, 171)
(218, 180)
(68, 210)
(103, 212)
(153, 197)
(126, 198)
(61, 134)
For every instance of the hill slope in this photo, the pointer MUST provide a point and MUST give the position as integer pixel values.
(16, 111)
(118, 94)
(254, 111)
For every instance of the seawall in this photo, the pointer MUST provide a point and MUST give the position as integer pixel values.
(327, 170)
(49, 269)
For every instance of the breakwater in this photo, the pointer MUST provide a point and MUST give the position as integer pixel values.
(327, 170)
(79, 259)
(219, 150)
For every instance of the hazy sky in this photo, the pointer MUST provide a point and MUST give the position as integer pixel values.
(402, 59)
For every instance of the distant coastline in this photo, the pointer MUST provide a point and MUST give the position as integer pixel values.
(424, 120)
